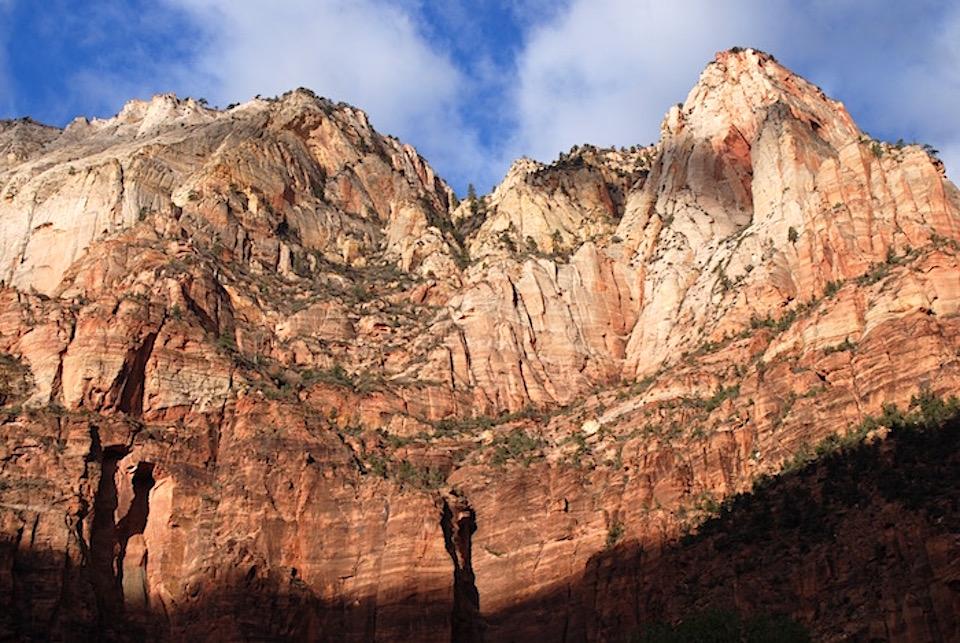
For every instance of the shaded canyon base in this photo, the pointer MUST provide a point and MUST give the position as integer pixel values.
(861, 544)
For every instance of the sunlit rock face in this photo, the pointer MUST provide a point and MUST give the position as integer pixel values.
(264, 377)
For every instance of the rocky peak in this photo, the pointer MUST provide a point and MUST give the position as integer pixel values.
(161, 112)
(297, 164)
(22, 138)
(25, 124)
(746, 192)
(554, 208)
(737, 88)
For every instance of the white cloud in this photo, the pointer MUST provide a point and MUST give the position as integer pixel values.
(931, 93)
(358, 51)
(897, 66)
(363, 52)
(596, 71)
(587, 71)
(606, 71)
(951, 160)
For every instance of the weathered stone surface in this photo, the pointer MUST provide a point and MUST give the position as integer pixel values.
(261, 377)
(555, 208)
(764, 193)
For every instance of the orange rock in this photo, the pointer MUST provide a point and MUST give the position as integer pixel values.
(262, 378)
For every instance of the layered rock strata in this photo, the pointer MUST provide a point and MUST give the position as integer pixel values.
(263, 376)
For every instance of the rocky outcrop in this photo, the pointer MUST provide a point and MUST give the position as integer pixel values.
(253, 176)
(21, 139)
(553, 209)
(764, 194)
(262, 378)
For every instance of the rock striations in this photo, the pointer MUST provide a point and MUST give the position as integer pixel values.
(263, 376)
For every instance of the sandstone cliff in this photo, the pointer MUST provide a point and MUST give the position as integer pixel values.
(262, 376)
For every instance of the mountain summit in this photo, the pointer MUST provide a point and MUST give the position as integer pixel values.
(264, 377)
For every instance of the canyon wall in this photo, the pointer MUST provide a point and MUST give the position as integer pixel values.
(264, 377)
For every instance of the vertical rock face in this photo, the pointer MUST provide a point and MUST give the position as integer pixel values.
(263, 377)
(765, 192)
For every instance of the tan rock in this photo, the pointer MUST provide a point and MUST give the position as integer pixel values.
(277, 387)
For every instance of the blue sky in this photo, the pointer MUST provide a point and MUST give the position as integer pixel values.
(476, 84)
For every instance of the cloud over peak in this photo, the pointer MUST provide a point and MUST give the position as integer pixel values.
(476, 83)
(360, 51)
(606, 71)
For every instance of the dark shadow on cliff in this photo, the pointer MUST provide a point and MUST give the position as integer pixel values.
(42, 598)
(861, 543)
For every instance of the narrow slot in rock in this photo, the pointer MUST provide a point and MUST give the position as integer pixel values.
(458, 522)
(133, 524)
(118, 554)
(103, 538)
(131, 397)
